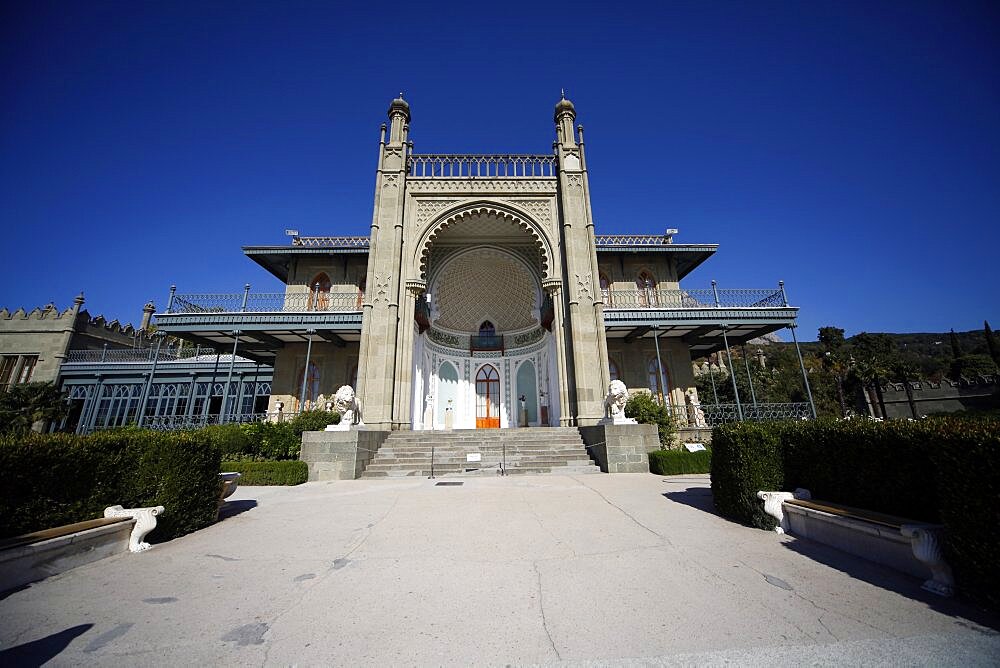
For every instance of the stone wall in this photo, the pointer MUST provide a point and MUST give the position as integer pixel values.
(336, 367)
(621, 448)
(944, 397)
(339, 455)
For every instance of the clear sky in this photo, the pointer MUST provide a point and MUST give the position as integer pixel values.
(851, 149)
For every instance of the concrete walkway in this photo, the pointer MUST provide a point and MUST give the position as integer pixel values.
(591, 570)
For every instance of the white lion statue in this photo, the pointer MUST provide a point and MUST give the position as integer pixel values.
(347, 404)
(614, 404)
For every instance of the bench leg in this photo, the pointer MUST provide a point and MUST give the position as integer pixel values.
(772, 506)
(145, 521)
(927, 549)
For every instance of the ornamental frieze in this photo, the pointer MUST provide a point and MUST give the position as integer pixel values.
(472, 185)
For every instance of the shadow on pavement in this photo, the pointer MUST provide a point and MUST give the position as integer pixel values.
(233, 508)
(887, 578)
(696, 497)
(37, 652)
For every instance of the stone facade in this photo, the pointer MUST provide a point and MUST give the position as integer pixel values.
(34, 344)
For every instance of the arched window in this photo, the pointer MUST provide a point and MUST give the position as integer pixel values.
(605, 290)
(662, 394)
(613, 370)
(312, 386)
(646, 286)
(319, 291)
(487, 329)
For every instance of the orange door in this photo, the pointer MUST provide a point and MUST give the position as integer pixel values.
(487, 398)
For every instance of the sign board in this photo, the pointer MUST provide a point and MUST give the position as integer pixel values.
(694, 447)
(474, 457)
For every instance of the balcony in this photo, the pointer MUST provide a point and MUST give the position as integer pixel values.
(515, 166)
(273, 302)
(702, 318)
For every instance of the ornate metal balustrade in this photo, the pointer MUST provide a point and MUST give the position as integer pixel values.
(700, 298)
(275, 302)
(138, 355)
(332, 242)
(481, 166)
(716, 414)
(501, 343)
(631, 240)
(173, 422)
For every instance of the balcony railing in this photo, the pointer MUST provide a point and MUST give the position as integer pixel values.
(639, 298)
(711, 415)
(333, 242)
(484, 166)
(142, 355)
(275, 302)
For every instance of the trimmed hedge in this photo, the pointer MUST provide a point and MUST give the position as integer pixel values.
(643, 409)
(266, 441)
(675, 462)
(56, 479)
(269, 473)
(745, 460)
(944, 470)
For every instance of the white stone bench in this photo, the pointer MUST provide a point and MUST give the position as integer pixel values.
(905, 545)
(40, 554)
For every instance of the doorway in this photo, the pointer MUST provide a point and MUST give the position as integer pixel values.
(487, 398)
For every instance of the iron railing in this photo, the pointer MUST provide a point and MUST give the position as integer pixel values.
(516, 166)
(498, 342)
(176, 422)
(711, 415)
(144, 355)
(699, 298)
(632, 239)
(332, 242)
(274, 302)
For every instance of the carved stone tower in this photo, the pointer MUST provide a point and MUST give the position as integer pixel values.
(586, 345)
(377, 358)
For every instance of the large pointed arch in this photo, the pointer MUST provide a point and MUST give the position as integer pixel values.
(469, 210)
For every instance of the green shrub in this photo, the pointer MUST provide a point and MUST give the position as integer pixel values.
(675, 462)
(231, 439)
(966, 456)
(314, 421)
(271, 441)
(269, 473)
(56, 479)
(644, 409)
(746, 458)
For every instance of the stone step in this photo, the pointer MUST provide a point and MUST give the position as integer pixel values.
(537, 450)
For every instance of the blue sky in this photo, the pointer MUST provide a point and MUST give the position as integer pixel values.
(850, 149)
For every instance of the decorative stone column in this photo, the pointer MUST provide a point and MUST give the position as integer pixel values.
(554, 289)
(379, 332)
(403, 400)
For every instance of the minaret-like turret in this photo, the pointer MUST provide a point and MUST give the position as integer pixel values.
(399, 121)
(564, 117)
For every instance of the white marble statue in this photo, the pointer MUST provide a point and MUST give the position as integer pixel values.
(614, 404)
(348, 405)
(696, 416)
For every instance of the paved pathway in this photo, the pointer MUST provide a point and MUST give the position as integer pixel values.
(589, 570)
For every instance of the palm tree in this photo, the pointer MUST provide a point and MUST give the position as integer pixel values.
(26, 404)
(905, 372)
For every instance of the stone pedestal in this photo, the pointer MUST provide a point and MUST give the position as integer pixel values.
(339, 455)
(621, 448)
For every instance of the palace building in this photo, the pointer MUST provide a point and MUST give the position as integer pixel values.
(482, 297)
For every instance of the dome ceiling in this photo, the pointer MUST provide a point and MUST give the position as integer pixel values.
(485, 284)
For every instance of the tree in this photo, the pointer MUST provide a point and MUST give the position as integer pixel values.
(991, 343)
(956, 349)
(834, 363)
(27, 403)
(904, 373)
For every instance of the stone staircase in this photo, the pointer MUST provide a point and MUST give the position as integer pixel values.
(533, 450)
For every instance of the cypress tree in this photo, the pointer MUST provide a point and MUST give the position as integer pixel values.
(956, 350)
(991, 343)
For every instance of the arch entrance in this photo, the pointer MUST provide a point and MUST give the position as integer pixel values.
(487, 397)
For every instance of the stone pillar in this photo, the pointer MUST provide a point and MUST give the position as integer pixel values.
(554, 289)
(379, 335)
(401, 414)
(585, 316)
